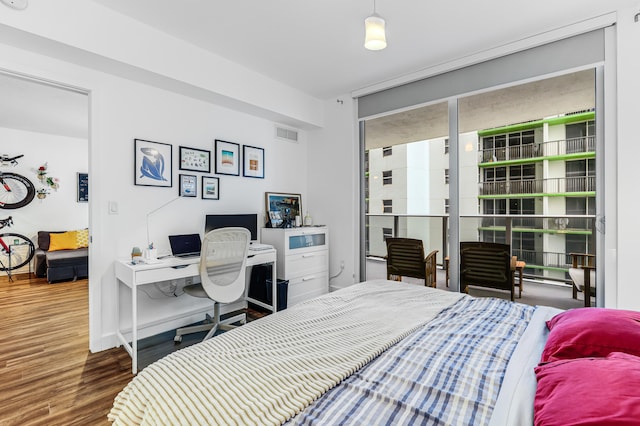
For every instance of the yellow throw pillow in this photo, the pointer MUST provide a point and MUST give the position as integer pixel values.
(64, 241)
(83, 238)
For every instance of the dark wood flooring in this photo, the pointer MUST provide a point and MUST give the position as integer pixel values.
(47, 374)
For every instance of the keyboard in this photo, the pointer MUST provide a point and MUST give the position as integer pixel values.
(186, 255)
(258, 247)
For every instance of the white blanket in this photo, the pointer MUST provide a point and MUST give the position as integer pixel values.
(269, 370)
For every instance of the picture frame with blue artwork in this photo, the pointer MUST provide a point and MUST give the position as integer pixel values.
(210, 188)
(152, 163)
(227, 158)
(188, 186)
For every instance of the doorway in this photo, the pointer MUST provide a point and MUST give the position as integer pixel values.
(48, 124)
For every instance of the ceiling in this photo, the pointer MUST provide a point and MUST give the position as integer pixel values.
(317, 46)
(37, 107)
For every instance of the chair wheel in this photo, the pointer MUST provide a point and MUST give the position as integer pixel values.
(177, 339)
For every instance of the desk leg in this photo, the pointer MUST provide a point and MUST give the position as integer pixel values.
(134, 330)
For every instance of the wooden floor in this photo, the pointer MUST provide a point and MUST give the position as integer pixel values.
(47, 374)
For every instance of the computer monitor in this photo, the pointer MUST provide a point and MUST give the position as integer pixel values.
(248, 221)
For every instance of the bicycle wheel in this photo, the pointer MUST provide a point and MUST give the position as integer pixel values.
(15, 251)
(15, 191)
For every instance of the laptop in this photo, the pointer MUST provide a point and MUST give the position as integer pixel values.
(187, 245)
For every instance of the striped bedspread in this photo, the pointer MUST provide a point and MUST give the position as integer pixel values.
(447, 373)
(271, 369)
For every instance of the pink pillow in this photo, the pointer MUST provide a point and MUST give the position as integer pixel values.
(589, 391)
(586, 332)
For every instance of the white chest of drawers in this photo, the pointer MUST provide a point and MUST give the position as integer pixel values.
(303, 260)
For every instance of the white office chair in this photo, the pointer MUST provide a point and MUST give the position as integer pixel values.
(223, 259)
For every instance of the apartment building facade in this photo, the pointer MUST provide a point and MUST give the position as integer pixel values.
(542, 167)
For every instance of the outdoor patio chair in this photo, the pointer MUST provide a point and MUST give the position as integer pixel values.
(405, 258)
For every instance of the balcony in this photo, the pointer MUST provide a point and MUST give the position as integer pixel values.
(558, 148)
(538, 187)
(545, 264)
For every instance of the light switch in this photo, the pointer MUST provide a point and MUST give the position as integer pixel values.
(113, 207)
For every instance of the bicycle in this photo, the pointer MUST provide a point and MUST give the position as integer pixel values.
(15, 190)
(15, 250)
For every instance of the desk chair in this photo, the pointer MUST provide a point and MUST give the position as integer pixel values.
(223, 259)
(405, 258)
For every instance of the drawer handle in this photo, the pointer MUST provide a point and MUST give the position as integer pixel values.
(308, 255)
(308, 278)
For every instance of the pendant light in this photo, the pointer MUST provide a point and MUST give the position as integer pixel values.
(375, 37)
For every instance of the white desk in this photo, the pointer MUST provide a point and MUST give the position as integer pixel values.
(172, 268)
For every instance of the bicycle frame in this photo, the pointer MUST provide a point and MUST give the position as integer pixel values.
(4, 245)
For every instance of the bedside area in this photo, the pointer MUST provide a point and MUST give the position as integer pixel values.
(303, 260)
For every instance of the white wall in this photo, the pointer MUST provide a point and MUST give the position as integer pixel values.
(333, 195)
(66, 157)
(622, 251)
(130, 110)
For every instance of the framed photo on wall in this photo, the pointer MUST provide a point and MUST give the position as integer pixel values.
(195, 160)
(227, 158)
(152, 163)
(288, 205)
(188, 186)
(83, 187)
(253, 161)
(210, 188)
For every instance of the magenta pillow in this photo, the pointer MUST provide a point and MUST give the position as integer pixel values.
(597, 332)
(589, 391)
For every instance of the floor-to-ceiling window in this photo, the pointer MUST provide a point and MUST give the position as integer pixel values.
(406, 177)
(522, 149)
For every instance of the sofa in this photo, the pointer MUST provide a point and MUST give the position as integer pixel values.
(62, 255)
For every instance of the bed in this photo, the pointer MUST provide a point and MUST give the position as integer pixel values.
(378, 352)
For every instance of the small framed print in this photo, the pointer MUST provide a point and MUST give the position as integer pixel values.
(83, 187)
(152, 163)
(195, 160)
(253, 165)
(275, 218)
(227, 158)
(188, 186)
(210, 188)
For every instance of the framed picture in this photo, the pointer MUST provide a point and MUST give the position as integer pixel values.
(288, 205)
(83, 187)
(227, 158)
(188, 186)
(210, 188)
(152, 163)
(196, 160)
(253, 161)
(275, 218)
